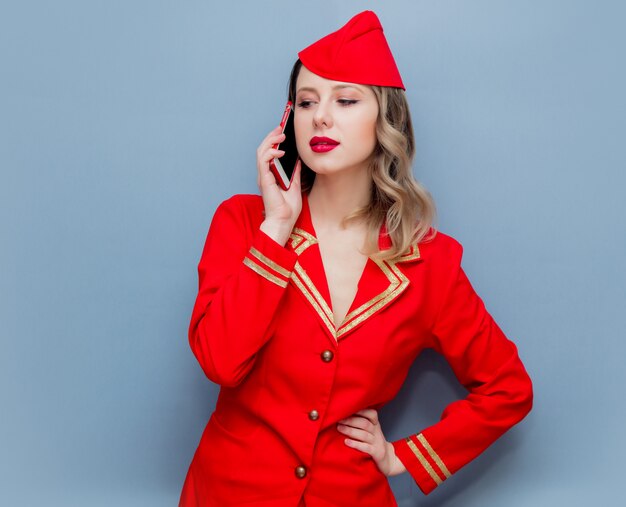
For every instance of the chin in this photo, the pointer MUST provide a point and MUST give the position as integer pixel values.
(316, 166)
(328, 169)
(317, 169)
(324, 166)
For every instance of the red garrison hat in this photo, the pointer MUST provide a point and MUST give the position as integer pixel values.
(356, 53)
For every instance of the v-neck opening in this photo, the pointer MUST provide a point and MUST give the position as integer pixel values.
(380, 283)
(329, 302)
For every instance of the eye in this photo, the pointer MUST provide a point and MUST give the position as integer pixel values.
(347, 102)
(304, 104)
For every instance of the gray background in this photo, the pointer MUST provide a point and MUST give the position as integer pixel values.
(123, 124)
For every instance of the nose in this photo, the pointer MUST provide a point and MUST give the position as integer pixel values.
(322, 116)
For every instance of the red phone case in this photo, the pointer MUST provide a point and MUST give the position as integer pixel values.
(273, 168)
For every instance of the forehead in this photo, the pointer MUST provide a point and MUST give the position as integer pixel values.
(311, 81)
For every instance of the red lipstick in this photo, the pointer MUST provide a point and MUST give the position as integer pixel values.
(322, 144)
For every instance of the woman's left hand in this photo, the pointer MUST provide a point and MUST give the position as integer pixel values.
(366, 435)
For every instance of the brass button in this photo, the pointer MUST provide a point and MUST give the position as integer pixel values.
(327, 356)
(314, 415)
(300, 472)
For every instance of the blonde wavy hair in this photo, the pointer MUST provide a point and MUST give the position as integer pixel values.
(397, 197)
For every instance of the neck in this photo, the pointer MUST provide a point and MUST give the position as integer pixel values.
(335, 196)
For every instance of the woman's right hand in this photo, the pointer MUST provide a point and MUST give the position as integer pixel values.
(282, 207)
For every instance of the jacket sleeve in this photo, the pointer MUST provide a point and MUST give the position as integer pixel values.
(487, 364)
(241, 282)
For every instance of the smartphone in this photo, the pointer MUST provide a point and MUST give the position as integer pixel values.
(283, 168)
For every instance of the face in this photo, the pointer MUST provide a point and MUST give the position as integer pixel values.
(344, 113)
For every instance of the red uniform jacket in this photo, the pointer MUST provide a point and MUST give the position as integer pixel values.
(262, 328)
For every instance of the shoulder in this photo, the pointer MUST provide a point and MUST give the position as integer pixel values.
(242, 202)
(242, 207)
(441, 247)
(236, 220)
(441, 259)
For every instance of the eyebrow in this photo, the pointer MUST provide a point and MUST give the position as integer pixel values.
(336, 87)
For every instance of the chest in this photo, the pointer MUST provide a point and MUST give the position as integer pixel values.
(343, 268)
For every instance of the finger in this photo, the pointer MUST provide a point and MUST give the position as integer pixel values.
(267, 179)
(356, 433)
(358, 421)
(270, 154)
(263, 149)
(274, 132)
(263, 165)
(274, 136)
(278, 136)
(354, 420)
(370, 414)
(360, 446)
(275, 139)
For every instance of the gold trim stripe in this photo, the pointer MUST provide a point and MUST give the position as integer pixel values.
(276, 267)
(424, 462)
(264, 272)
(318, 306)
(435, 457)
(301, 240)
(305, 234)
(393, 285)
(412, 255)
(367, 309)
(295, 241)
(316, 293)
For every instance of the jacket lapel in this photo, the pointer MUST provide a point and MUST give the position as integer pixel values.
(380, 284)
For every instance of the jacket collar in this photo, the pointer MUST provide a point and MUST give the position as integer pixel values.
(304, 223)
(380, 284)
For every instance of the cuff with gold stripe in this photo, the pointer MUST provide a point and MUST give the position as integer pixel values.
(421, 461)
(270, 260)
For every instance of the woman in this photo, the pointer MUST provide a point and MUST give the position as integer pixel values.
(314, 302)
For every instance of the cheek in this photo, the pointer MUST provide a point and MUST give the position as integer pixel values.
(367, 132)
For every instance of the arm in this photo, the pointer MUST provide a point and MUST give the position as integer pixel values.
(241, 283)
(487, 364)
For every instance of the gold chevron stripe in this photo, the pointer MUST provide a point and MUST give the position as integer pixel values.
(314, 297)
(435, 457)
(397, 283)
(413, 254)
(264, 272)
(295, 241)
(276, 267)
(301, 240)
(316, 293)
(305, 234)
(424, 462)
